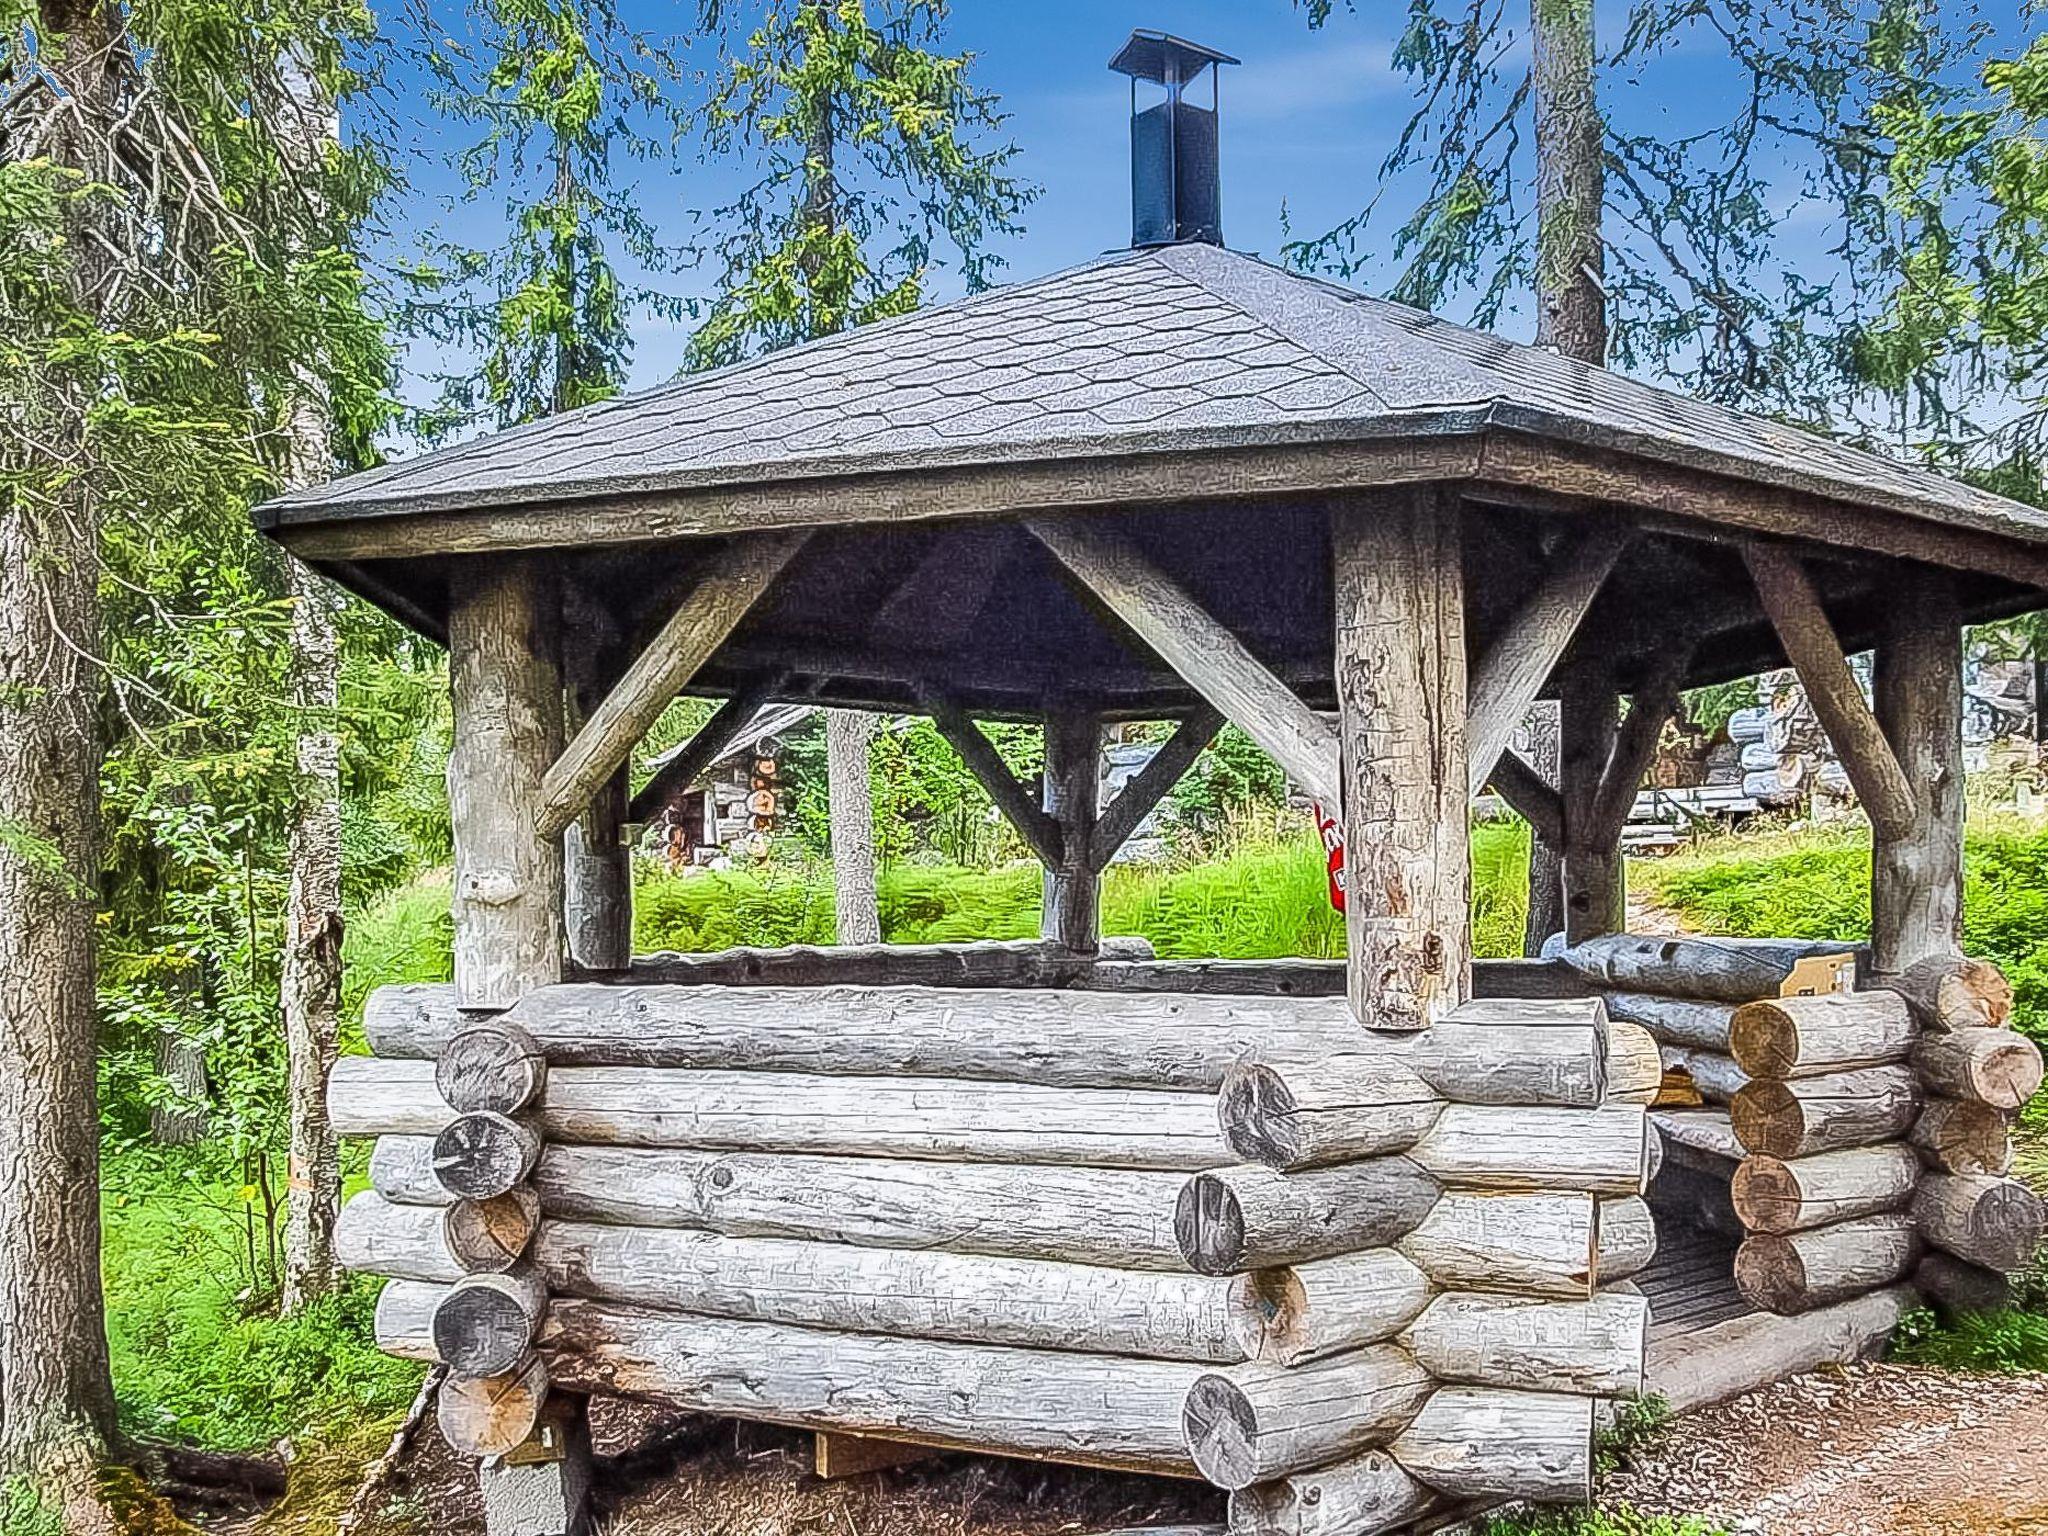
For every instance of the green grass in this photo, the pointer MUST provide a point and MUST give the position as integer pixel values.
(2008, 1340)
(199, 1359)
(1597, 1522)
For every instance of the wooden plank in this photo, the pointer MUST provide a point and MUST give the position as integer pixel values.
(1400, 666)
(1916, 877)
(731, 582)
(712, 740)
(1213, 661)
(1522, 656)
(1017, 803)
(1150, 784)
(1810, 643)
(838, 1455)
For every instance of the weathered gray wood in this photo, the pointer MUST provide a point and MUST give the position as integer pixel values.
(1146, 788)
(1520, 660)
(1627, 1239)
(1116, 1218)
(1071, 908)
(1702, 969)
(493, 1066)
(1635, 1065)
(1530, 796)
(485, 1325)
(1543, 1244)
(1997, 1067)
(1235, 1219)
(1400, 664)
(1992, 1222)
(1826, 1114)
(1207, 656)
(1957, 1136)
(1956, 1286)
(1514, 1051)
(1707, 1133)
(1040, 830)
(1547, 980)
(977, 963)
(1593, 1347)
(1363, 1496)
(487, 1236)
(907, 1292)
(1774, 1195)
(506, 691)
(1502, 1147)
(938, 1118)
(1337, 1110)
(597, 868)
(1726, 1360)
(1263, 1421)
(1789, 1037)
(710, 742)
(1916, 876)
(484, 1416)
(1055, 1038)
(482, 1155)
(1799, 1271)
(1675, 1020)
(731, 581)
(1951, 992)
(1715, 1077)
(1635, 741)
(1303, 1312)
(1811, 645)
(1589, 719)
(1493, 1443)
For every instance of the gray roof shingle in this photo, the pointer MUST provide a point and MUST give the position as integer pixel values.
(1170, 349)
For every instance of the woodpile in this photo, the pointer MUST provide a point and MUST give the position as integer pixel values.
(1871, 1116)
(1226, 1236)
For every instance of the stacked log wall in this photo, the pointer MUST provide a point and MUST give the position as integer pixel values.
(1871, 1116)
(1223, 1235)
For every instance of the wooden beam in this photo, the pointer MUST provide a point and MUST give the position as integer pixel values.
(1815, 652)
(1532, 797)
(1016, 802)
(732, 580)
(1916, 885)
(710, 742)
(1589, 720)
(1214, 662)
(506, 685)
(1635, 744)
(1400, 672)
(1071, 913)
(1147, 787)
(1521, 658)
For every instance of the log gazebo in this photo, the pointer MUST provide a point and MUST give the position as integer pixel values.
(1361, 1241)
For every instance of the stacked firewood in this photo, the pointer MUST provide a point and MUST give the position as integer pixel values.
(1873, 1119)
(1233, 1237)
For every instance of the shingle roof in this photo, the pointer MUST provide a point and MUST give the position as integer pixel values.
(1178, 348)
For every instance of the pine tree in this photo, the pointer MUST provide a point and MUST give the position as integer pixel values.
(871, 140)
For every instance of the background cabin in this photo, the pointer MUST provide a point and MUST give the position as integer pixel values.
(1378, 1238)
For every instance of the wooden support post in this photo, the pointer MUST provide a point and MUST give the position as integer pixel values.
(506, 683)
(1811, 645)
(1072, 915)
(1400, 673)
(1213, 661)
(727, 589)
(596, 867)
(1916, 882)
(1595, 895)
(1533, 798)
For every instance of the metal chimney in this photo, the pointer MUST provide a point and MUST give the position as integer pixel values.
(1176, 176)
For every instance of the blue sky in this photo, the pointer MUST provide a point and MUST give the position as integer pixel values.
(1307, 120)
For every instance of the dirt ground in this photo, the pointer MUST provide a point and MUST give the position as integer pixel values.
(1873, 1450)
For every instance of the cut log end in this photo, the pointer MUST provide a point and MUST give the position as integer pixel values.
(1256, 1110)
(494, 1066)
(1221, 1428)
(486, 1324)
(483, 1155)
(1209, 1225)
(490, 1236)
(491, 1415)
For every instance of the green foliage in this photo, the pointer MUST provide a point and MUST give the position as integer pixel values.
(1816, 885)
(869, 138)
(196, 1357)
(1597, 1522)
(404, 935)
(1637, 1423)
(1233, 778)
(23, 1512)
(2009, 1340)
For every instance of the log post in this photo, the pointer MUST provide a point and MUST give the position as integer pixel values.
(1072, 915)
(1589, 720)
(506, 684)
(1400, 672)
(1916, 881)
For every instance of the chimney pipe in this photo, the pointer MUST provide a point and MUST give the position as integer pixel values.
(1176, 174)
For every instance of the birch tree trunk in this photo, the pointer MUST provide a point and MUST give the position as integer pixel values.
(310, 985)
(56, 1393)
(849, 737)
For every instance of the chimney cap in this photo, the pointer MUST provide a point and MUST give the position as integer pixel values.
(1148, 56)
